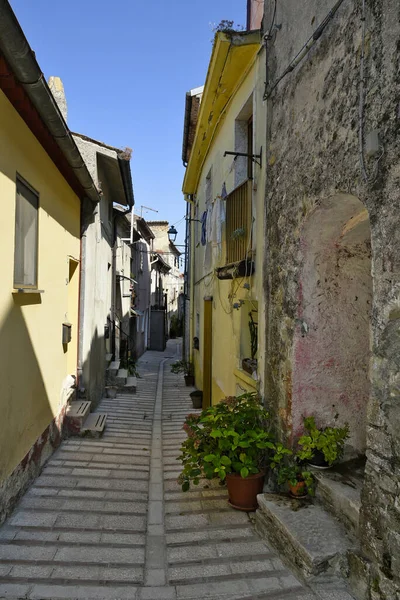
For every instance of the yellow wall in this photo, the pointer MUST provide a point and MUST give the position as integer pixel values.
(33, 361)
(230, 329)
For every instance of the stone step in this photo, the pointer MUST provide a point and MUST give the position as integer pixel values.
(311, 539)
(131, 385)
(121, 377)
(76, 414)
(339, 490)
(94, 425)
(112, 371)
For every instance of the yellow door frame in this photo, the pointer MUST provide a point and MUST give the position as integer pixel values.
(207, 353)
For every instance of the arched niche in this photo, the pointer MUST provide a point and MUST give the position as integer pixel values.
(332, 339)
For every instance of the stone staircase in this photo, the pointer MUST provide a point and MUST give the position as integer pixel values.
(120, 378)
(80, 421)
(316, 535)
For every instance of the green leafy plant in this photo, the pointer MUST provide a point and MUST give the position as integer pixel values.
(227, 26)
(289, 469)
(329, 440)
(231, 437)
(182, 366)
(238, 233)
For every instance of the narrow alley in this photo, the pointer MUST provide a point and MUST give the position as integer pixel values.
(106, 518)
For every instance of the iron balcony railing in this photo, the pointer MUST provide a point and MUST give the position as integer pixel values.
(238, 223)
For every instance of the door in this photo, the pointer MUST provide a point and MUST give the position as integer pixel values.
(207, 353)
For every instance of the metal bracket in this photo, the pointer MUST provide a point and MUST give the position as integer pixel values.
(256, 158)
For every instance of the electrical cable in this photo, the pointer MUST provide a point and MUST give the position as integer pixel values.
(302, 53)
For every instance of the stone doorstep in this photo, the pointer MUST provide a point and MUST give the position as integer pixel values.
(76, 413)
(131, 385)
(311, 539)
(111, 372)
(340, 494)
(94, 425)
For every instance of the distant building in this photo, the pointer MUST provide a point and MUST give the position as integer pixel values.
(173, 280)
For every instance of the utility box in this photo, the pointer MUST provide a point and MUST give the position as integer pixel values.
(66, 333)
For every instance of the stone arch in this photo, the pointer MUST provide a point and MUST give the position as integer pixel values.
(331, 366)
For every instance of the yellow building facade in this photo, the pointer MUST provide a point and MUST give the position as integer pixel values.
(225, 185)
(39, 293)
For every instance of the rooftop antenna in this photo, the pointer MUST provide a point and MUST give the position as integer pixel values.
(147, 208)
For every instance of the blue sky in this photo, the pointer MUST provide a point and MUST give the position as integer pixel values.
(126, 67)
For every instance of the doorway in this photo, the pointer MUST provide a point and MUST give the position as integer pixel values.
(331, 362)
(207, 353)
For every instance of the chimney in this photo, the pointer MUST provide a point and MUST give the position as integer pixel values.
(57, 89)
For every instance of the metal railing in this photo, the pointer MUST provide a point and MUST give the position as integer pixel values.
(238, 223)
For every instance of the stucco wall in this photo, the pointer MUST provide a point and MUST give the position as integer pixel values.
(313, 154)
(227, 321)
(97, 238)
(33, 361)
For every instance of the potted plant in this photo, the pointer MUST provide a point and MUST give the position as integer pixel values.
(228, 441)
(322, 447)
(291, 472)
(197, 398)
(186, 367)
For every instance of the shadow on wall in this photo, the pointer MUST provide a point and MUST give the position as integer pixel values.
(29, 430)
(93, 370)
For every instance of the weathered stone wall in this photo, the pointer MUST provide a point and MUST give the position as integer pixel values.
(313, 154)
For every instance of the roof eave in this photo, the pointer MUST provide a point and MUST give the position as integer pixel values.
(231, 57)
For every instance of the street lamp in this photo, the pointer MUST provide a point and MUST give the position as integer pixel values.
(172, 233)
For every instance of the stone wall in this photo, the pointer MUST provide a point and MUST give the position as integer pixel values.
(313, 156)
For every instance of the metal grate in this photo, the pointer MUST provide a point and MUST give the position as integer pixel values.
(238, 223)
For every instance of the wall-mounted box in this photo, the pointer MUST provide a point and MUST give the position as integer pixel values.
(66, 333)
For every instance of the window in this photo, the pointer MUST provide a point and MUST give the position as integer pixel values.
(26, 236)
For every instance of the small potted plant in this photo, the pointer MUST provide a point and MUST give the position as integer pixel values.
(322, 447)
(186, 367)
(291, 472)
(229, 441)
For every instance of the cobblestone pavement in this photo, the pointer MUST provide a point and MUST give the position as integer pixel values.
(107, 520)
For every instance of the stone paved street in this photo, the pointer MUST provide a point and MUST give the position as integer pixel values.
(106, 518)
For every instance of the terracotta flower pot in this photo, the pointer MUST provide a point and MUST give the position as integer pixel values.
(243, 490)
(299, 490)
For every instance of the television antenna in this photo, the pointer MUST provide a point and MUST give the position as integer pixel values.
(147, 208)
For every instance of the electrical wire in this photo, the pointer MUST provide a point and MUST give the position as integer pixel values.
(268, 35)
(302, 53)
